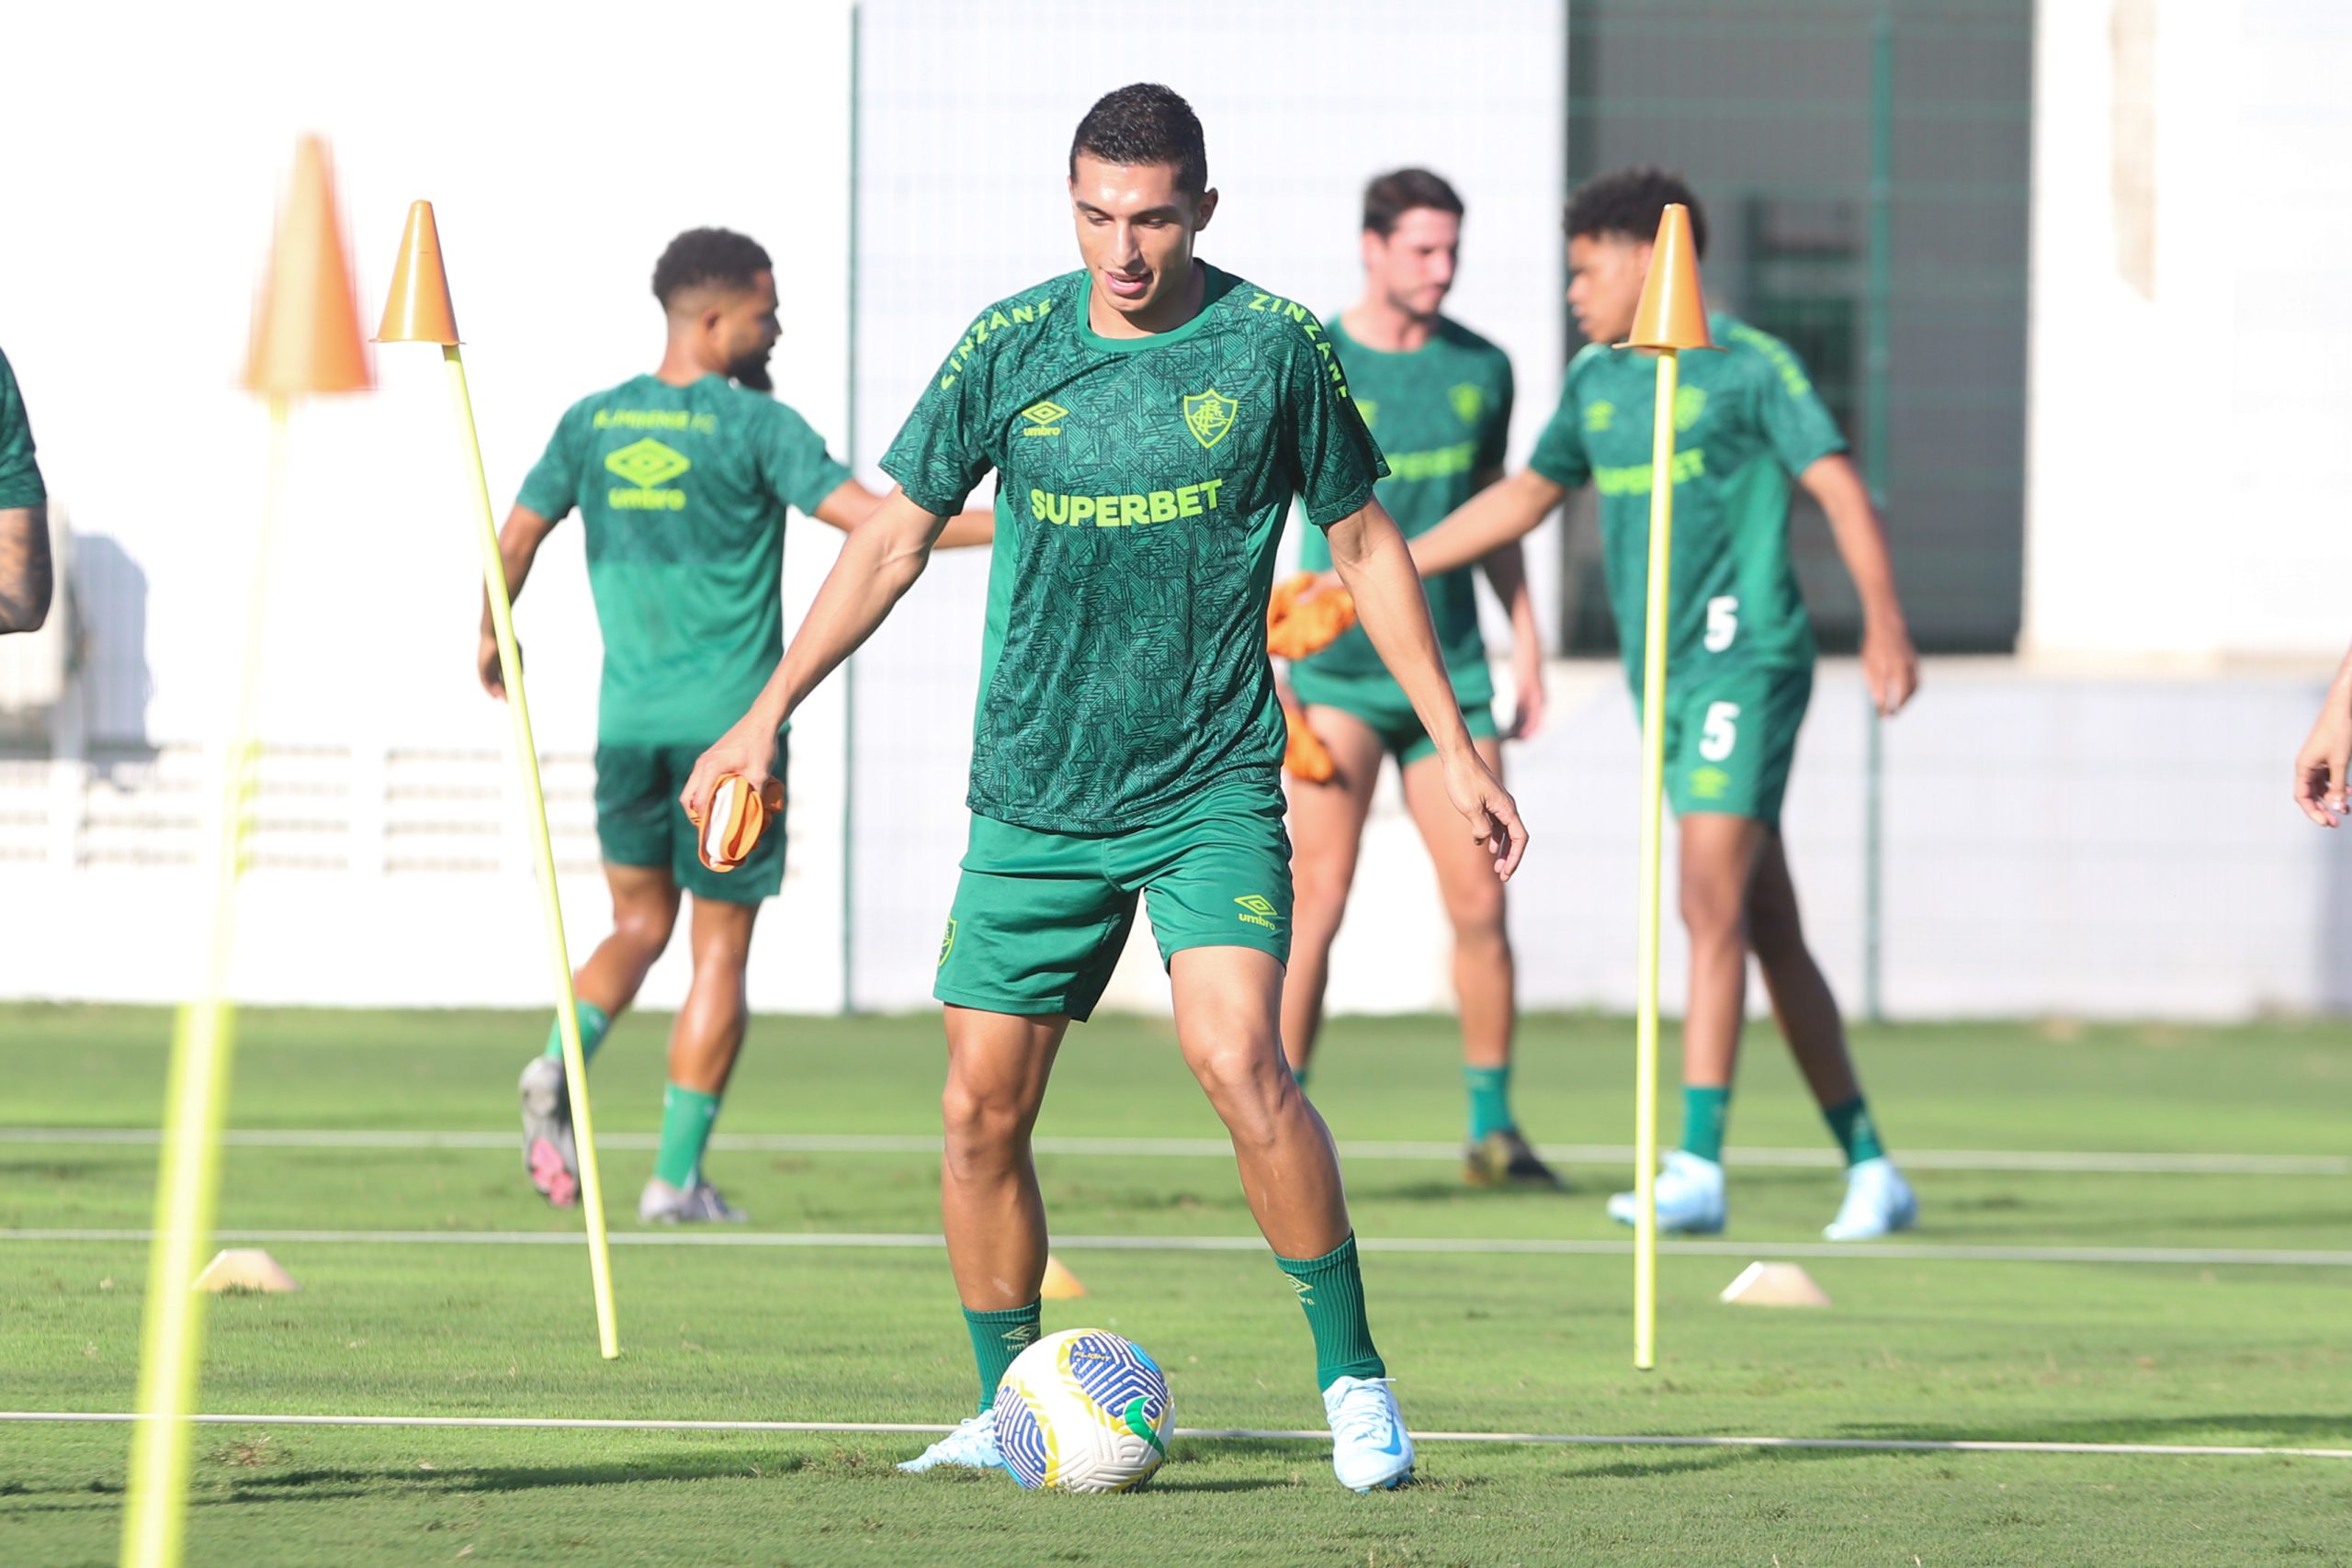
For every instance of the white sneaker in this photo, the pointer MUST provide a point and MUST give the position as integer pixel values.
(1878, 1203)
(972, 1445)
(1369, 1444)
(548, 1153)
(702, 1203)
(1689, 1196)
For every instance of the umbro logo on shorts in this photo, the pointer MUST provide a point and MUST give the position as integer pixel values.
(1259, 911)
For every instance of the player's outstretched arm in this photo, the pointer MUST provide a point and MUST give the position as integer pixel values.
(1890, 664)
(852, 503)
(1370, 556)
(1505, 511)
(880, 560)
(518, 546)
(2321, 786)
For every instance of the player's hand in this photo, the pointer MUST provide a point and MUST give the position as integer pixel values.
(1527, 699)
(1889, 665)
(2321, 765)
(744, 750)
(1493, 815)
(486, 665)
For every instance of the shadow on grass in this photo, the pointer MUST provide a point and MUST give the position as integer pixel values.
(320, 1484)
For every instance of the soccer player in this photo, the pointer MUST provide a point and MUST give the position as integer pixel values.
(2323, 766)
(1149, 418)
(1438, 397)
(25, 571)
(683, 479)
(1740, 661)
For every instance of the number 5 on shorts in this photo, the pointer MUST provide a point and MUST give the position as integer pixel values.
(1721, 731)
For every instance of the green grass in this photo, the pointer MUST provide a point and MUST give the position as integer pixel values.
(1914, 1348)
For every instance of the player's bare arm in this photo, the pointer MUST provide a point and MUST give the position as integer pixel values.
(1505, 571)
(1371, 556)
(518, 546)
(2326, 757)
(26, 579)
(878, 563)
(1890, 664)
(851, 503)
(1502, 514)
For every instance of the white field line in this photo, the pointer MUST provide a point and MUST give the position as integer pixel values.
(1225, 1434)
(1883, 1251)
(2059, 1160)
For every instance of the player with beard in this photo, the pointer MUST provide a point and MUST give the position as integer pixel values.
(683, 479)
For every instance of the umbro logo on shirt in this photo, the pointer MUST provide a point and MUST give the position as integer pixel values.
(1044, 419)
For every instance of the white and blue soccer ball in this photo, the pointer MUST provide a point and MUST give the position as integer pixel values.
(1084, 1410)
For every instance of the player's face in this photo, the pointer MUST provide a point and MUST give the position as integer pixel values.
(747, 330)
(1605, 274)
(1413, 267)
(1135, 230)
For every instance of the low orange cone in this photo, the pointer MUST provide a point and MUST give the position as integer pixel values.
(1060, 1284)
(245, 1269)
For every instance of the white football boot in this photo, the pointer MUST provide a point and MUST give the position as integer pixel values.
(971, 1445)
(1369, 1444)
(1878, 1203)
(1689, 1196)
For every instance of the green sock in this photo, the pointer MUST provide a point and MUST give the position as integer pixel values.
(1704, 1111)
(1331, 1290)
(687, 1116)
(997, 1340)
(1857, 1133)
(1490, 1100)
(592, 1026)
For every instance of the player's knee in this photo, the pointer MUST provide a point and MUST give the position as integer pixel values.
(1478, 925)
(1775, 933)
(646, 926)
(1244, 1081)
(983, 1117)
(1319, 892)
(1713, 911)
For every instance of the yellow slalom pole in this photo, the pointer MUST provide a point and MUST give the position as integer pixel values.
(575, 1059)
(1653, 635)
(188, 1174)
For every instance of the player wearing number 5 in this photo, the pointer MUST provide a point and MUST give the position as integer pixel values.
(1739, 669)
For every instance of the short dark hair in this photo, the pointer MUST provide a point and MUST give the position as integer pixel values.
(1630, 202)
(1145, 123)
(700, 257)
(1395, 194)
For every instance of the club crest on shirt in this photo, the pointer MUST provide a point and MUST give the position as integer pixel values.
(1468, 401)
(1689, 402)
(1209, 415)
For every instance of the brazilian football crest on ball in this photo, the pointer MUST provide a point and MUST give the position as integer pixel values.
(1084, 1410)
(1209, 415)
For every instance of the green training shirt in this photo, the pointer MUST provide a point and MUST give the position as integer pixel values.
(1142, 485)
(1442, 414)
(683, 490)
(1746, 419)
(19, 475)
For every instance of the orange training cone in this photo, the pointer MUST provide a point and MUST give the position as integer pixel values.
(1673, 313)
(306, 332)
(418, 310)
(1060, 1284)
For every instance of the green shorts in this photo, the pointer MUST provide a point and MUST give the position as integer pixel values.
(1381, 702)
(639, 822)
(1730, 740)
(1039, 918)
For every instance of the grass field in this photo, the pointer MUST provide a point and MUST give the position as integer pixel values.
(400, 1314)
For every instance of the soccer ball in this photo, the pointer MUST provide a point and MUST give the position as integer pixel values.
(1083, 1410)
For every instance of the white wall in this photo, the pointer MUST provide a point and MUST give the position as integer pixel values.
(562, 146)
(2188, 468)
